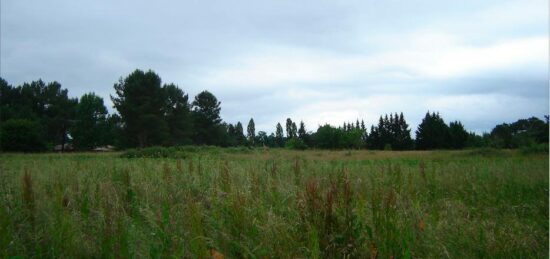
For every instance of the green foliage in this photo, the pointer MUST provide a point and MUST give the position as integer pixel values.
(239, 134)
(45, 104)
(181, 151)
(251, 132)
(432, 133)
(535, 149)
(140, 101)
(328, 137)
(21, 135)
(206, 112)
(393, 131)
(91, 123)
(262, 139)
(291, 131)
(477, 141)
(458, 135)
(151, 114)
(152, 152)
(295, 144)
(522, 133)
(279, 138)
(178, 116)
(485, 152)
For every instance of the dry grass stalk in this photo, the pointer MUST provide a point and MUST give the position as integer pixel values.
(65, 202)
(273, 168)
(199, 167)
(311, 196)
(329, 202)
(226, 180)
(190, 165)
(167, 173)
(296, 167)
(215, 254)
(179, 166)
(373, 251)
(390, 200)
(28, 195)
(422, 168)
(421, 225)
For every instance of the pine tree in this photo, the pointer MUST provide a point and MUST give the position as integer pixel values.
(404, 141)
(432, 133)
(140, 102)
(91, 121)
(459, 136)
(206, 111)
(240, 134)
(177, 115)
(231, 135)
(373, 138)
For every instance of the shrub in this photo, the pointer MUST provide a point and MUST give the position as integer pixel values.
(535, 149)
(181, 151)
(487, 152)
(295, 144)
(21, 135)
(239, 150)
(154, 152)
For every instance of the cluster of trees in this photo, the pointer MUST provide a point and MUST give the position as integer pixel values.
(392, 133)
(524, 132)
(37, 116)
(433, 133)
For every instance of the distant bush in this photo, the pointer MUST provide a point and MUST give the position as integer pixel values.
(535, 149)
(485, 152)
(240, 149)
(21, 135)
(154, 152)
(295, 144)
(180, 151)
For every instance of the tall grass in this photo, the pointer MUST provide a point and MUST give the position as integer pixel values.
(275, 204)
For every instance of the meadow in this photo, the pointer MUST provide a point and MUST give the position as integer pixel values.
(274, 203)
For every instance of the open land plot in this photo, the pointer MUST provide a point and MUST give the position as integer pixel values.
(276, 204)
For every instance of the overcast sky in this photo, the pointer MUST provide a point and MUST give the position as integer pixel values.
(481, 62)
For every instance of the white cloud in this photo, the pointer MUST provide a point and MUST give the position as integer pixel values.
(462, 60)
(429, 56)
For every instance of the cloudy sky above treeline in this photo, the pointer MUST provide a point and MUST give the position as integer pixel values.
(481, 62)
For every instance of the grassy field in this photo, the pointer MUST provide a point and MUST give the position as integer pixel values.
(276, 204)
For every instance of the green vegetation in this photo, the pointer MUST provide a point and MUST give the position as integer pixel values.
(41, 116)
(275, 203)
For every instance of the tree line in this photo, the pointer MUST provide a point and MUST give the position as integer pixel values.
(37, 116)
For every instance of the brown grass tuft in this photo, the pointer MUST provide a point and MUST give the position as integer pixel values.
(28, 195)
(273, 168)
(215, 254)
(179, 166)
(422, 169)
(190, 165)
